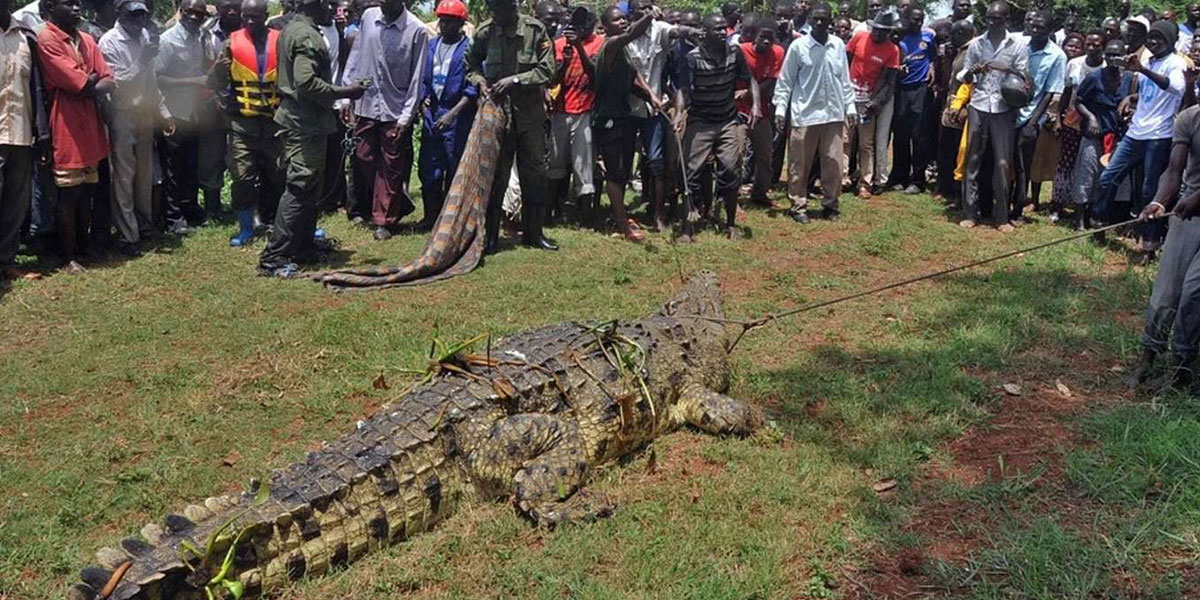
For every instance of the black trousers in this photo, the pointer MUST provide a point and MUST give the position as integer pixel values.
(911, 140)
(995, 132)
(779, 141)
(333, 187)
(1026, 144)
(947, 160)
(181, 184)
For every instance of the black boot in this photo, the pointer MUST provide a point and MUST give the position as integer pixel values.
(212, 206)
(1143, 368)
(491, 240)
(533, 236)
(1180, 373)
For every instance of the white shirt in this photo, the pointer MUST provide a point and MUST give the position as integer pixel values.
(1154, 118)
(29, 17)
(1011, 52)
(814, 83)
(16, 102)
(648, 56)
(443, 55)
(1183, 45)
(1077, 69)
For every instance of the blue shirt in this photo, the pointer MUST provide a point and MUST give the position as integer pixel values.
(1048, 67)
(1103, 105)
(917, 53)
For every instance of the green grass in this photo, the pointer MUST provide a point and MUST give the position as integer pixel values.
(125, 389)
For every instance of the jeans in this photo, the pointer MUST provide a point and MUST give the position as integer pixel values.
(653, 131)
(1153, 156)
(1174, 309)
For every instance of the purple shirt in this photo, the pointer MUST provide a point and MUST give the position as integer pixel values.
(392, 56)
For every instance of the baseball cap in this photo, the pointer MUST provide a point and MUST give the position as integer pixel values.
(133, 6)
(1140, 20)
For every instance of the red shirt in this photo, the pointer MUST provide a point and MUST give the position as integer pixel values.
(76, 129)
(870, 59)
(578, 90)
(763, 68)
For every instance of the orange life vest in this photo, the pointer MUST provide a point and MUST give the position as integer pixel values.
(254, 91)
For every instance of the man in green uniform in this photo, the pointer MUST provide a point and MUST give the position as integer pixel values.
(246, 71)
(305, 118)
(512, 60)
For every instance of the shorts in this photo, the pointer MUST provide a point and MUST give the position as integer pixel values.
(69, 178)
(615, 139)
(653, 132)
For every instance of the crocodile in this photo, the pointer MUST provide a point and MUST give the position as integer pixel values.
(525, 422)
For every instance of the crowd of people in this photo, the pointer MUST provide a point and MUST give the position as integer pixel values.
(117, 129)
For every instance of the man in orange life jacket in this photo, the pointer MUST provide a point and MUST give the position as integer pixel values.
(246, 67)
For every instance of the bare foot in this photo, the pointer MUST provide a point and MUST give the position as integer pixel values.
(733, 233)
(966, 223)
(1005, 228)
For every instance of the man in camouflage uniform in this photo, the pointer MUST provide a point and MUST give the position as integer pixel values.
(511, 61)
(305, 118)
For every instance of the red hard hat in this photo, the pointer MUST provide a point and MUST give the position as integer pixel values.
(452, 8)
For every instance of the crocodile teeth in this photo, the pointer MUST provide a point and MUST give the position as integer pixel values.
(153, 533)
(110, 558)
(196, 513)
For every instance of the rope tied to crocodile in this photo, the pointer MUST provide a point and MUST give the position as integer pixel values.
(455, 246)
(749, 325)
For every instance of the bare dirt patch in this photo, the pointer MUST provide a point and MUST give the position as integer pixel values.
(1023, 443)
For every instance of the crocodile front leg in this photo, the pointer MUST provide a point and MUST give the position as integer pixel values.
(541, 459)
(716, 413)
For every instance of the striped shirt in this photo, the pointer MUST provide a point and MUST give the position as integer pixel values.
(710, 83)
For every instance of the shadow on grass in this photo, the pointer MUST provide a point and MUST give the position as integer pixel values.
(46, 262)
(922, 378)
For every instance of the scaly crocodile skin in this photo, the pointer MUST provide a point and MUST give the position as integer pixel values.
(455, 246)
(553, 403)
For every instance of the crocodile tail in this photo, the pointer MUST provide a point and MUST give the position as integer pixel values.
(376, 486)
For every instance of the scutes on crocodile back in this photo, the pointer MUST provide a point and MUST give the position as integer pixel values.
(407, 467)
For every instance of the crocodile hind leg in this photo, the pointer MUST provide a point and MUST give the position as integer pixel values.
(541, 460)
(716, 413)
